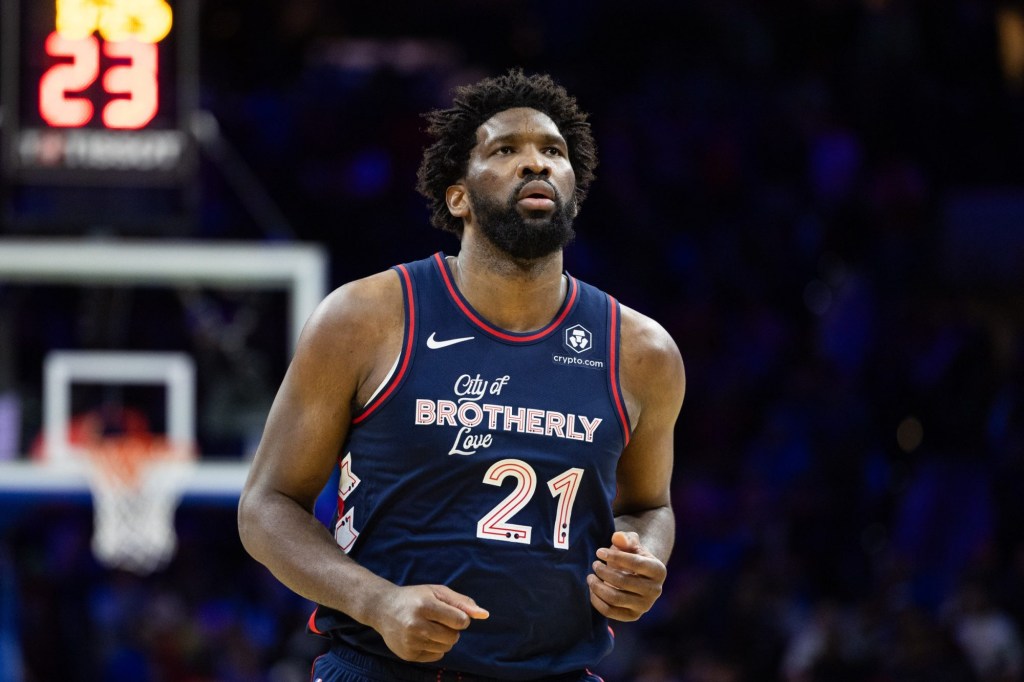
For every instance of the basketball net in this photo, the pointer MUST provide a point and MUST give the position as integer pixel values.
(136, 484)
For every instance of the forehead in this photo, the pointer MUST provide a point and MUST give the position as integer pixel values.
(517, 122)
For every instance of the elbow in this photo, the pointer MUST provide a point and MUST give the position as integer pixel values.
(248, 525)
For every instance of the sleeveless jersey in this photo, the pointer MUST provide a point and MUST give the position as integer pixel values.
(487, 463)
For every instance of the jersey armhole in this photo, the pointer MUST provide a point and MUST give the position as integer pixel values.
(614, 385)
(385, 381)
(387, 389)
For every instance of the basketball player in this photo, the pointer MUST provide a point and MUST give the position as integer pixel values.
(503, 430)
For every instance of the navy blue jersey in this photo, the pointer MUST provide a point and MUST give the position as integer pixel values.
(487, 463)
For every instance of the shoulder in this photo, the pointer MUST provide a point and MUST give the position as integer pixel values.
(355, 332)
(646, 338)
(652, 371)
(363, 306)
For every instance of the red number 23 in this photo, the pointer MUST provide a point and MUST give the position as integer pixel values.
(137, 80)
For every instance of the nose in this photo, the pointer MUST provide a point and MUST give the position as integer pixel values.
(534, 162)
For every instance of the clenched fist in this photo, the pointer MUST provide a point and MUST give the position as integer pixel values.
(627, 579)
(421, 623)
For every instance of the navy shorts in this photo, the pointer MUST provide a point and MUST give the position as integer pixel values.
(342, 664)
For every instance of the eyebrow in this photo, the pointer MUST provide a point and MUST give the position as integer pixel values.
(546, 138)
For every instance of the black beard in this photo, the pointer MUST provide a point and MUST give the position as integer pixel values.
(521, 237)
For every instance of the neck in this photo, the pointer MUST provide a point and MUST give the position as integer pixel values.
(515, 295)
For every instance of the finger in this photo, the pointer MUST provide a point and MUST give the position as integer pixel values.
(615, 597)
(425, 656)
(423, 644)
(642, 563)
(439, 638)
(457, 609)
(608, 608)
(618, 604)
(431, 636)
(625, 581)
(461, 602)
(627, 541)
(444, 615)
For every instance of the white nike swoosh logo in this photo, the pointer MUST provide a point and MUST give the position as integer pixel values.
(435, 344)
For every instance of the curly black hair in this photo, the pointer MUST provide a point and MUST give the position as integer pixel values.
(445, 161)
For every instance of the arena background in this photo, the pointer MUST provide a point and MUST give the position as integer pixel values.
(821, 200)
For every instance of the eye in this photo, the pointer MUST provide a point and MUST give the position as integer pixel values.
(553, 151)
(504, 150)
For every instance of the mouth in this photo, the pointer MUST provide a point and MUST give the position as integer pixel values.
(536, 195)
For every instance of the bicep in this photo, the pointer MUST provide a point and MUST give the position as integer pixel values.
(305, 429)
(645, 469)
(658, 383)
(309, 419)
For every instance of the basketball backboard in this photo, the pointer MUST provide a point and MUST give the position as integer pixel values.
(193, 336)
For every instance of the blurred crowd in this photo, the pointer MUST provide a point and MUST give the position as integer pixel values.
(821, 200)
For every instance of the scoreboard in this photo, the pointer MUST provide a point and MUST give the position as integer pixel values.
(98, 92)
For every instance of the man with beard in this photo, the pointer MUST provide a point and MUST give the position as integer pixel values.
(503, 431)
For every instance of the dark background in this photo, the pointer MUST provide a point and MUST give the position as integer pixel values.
(819, 199)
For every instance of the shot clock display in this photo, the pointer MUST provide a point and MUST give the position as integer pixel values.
(98, 91)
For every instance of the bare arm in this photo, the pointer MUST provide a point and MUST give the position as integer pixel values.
(344, 353)
(630, 572)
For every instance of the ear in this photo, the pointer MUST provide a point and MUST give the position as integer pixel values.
(458, 200)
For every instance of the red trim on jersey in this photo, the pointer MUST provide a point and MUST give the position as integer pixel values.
(341, 500)
(406, 353)
(503, 335)
(312, 622)
(312, 670)
(613, 364)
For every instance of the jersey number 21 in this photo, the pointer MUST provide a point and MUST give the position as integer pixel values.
(496, 524)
